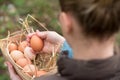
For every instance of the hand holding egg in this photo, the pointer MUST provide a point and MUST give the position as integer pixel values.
(34, 56)
(36, 43)
(25, 52)
(50, 40)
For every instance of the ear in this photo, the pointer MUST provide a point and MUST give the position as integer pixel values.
(66, 22)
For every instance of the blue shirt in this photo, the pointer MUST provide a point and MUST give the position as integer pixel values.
(68, 48)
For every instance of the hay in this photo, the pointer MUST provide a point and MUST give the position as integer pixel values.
(43, 61)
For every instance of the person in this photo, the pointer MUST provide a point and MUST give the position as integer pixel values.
(90, 28)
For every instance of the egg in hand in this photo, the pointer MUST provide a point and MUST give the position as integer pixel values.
(36, 43)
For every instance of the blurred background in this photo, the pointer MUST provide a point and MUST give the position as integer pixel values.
(45, 11)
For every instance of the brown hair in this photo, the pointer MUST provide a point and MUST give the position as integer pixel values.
(99, 18)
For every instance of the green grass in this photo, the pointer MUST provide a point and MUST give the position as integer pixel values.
(45, 11)
(3, 70)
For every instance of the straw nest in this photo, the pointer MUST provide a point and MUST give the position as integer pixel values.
(43, 61)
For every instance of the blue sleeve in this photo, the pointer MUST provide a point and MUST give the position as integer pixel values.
(68, 48)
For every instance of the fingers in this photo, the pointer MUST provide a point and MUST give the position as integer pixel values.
(42, 35)
(10, 69)
(12, 72)
(48, 47)
(29, 36)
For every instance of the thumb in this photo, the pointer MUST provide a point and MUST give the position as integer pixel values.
(12, 72)
(10, 69)
(43, 34)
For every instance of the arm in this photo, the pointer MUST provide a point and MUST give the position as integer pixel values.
(54, 38)
(49, 39)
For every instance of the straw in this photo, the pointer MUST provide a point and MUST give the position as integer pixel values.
(43, 61)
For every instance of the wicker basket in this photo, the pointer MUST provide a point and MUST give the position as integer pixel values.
(17, 36)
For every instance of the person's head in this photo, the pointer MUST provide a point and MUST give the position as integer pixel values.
(91, 18)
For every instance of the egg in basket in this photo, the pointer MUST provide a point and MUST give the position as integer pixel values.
(26, 56)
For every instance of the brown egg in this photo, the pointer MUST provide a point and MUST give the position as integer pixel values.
(29, 53)
(22, 62)
(12, 46)
(30, 69)
(41, 73)
(23, 45)
(16, 55)
(36, 43)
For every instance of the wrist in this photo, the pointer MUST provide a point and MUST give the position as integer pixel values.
(62, 40)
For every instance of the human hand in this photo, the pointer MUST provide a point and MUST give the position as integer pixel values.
(13, 74)
(51, 40)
